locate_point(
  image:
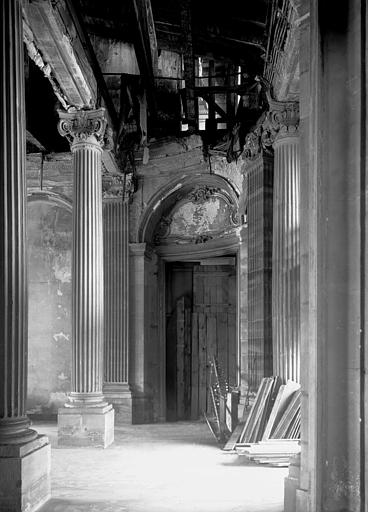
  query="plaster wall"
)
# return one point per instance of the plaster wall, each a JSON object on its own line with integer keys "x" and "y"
{"x": 170, "y": 160}
{"x": 49, "y": 240}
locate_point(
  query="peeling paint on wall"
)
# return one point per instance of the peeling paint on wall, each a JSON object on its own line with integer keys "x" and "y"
{"x": 49, "y": 239}
{"x": 197, "y": 218}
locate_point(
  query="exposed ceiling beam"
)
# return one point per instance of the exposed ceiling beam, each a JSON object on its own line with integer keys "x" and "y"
{"x": 32, "y": 140}
{"x": 143, "y": 49}
{"x": 74, "y": 8}
{"x": 209, "y": 33}
{"x": 189, "y": 63}
{"x": 219, "y": 89}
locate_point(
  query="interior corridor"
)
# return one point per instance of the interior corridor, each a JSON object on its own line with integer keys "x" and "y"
{"x": 171, "y": 467}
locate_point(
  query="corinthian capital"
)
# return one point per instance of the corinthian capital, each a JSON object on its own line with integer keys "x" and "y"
{"x": 83, "y": 126}
{"x": 258, "y": 142}
{"x": 283, "y": 118}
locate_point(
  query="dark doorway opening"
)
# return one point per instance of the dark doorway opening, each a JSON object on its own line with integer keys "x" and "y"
{"x": 200, "y": 325}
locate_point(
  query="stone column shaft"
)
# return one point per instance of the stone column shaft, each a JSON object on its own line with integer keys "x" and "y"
{"x": 286, "y": 259}
{"x": 13, "y": 268}
{"x": 259, "y": 218}
{"x": 87, "y": 275}
{"x": 88, "y": 414}
{"x": 21, "y": 449}
{"x": 281, "y": 130}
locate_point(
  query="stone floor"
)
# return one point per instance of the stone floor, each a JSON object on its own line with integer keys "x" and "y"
{"x": 172, "y": 467}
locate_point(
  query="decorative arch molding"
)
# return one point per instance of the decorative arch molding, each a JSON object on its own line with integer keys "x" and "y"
{"x": 192, "y": 210}
{"x": 50, "y": 197}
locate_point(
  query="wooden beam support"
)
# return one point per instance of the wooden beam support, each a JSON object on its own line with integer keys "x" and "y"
{"x": 189, "y": 63}
{"x": 75, "y": 12}
{"x": 143, "y": 50}
{"x": 214, "y": 107}
{"x": 218, "y": 89}
{"x": 231, "y": 80}
{"x": 210, "y": 34}
{"x": 210, "y": 100}
{"x": 32, "y": 140}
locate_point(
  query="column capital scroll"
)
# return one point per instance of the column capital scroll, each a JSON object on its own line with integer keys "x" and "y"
{"x": 84, "y": 126}
{"x": 283, "y": 119}
{"x": 258, "y": 142}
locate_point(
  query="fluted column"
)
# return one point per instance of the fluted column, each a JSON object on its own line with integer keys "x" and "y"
{"x": 85, "y": 130}
{"x": 14, "y": 424}
{"x": 284, "y": 121}
{"x": 259, "y": 168}
{"x": 16, "y": 438}
{"x": 116, "y": 267}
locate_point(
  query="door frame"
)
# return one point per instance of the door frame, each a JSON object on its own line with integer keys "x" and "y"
{"x": 229, "y": 246}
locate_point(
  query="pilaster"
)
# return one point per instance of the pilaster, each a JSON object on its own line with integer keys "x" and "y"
{"x": 283, "y": 125}
{"x": 142, "y": 401}
{"x": 86, "y": 420}
{"x": 116, "y": 267}
{"x": 258, "y": 156}
{"x": 24, "y": 455}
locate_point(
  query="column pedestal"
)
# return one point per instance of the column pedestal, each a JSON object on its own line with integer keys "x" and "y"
{"x": 120, "y": 396}
{"x": 25, "y": 475}
{"x": 292, "y": 484}
{"x": 80, "y": 427}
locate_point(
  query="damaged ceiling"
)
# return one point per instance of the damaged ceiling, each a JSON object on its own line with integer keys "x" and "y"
{"x": 161, "y": 68}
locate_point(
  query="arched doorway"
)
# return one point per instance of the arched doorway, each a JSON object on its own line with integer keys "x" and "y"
{"x": 192, "y": 228}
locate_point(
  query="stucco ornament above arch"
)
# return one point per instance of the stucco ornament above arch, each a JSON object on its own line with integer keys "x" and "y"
{"x": 192, "y": 210}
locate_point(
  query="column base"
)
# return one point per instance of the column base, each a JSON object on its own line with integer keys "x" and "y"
{"x": 86, "y": 426}
{"x": 291, "y": 485}
{"x": 25, "y": 475}
{"x": 119, "y": 395}
{"x": 142, "y": 409}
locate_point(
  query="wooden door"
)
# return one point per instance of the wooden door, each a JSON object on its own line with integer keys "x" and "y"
{"x": 213, "y": 330}
{"x": 178, "y": 353}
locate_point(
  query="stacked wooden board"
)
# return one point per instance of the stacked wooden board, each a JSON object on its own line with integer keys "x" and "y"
{"x": 274, "y": 452}
{"x": 272, "y": 429}
{"x": 261, "y": 409}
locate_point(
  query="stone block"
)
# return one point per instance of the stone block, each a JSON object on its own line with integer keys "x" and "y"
{"x": 120, "y": 396}
{"x": 302, "y": 501}
{"x": 25, "y": 475}
{"x": 290, "y": 488}
{"x": 92, "y": 426}
{"x": 142, "y": 410}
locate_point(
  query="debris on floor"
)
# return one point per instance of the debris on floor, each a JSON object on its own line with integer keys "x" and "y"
{"x": 271, "y": 432}
{"x": 222, "y": 410}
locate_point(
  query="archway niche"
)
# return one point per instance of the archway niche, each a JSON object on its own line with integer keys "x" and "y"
{"x": 49, "y": 241}
{"x": 189, "y": 241}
